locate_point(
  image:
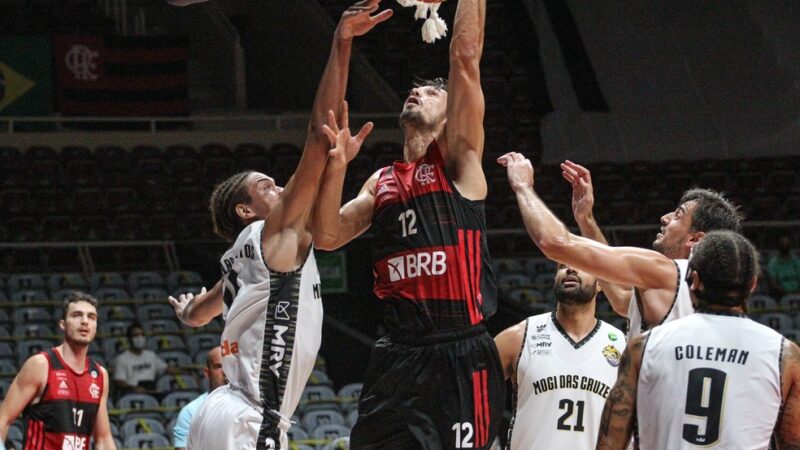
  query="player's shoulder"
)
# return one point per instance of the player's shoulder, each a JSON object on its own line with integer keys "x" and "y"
{"x": 38, "y": 361}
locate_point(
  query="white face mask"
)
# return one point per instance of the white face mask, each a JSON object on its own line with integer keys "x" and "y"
{"x": 138, "y": 342}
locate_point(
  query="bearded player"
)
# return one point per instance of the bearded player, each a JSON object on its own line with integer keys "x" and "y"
{"x": 562, "y": 366}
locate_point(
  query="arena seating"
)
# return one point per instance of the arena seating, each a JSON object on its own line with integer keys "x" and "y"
{"x": 27, "y": 325}
{"x": 153, "y": 196}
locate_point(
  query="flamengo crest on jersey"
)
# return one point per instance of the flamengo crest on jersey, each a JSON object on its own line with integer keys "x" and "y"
{"x": 430, "y": 257}
{"x": 681, "y": 306}
{"x": 561, "y": 386}
{"x": 709, "y": 381}
{"x": 273, "y": 324}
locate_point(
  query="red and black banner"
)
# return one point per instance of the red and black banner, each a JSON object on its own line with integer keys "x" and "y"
{"x": 121, "y": 75}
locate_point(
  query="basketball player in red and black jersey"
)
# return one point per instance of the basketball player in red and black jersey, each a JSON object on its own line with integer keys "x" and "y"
{"x": 61, "y": 392}
{"x": 435, "y": 381}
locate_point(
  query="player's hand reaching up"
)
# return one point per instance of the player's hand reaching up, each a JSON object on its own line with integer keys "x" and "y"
{"x": 344, "y": 146}
{"x": 181, "y": 304}
{"x": 358, "y": 19}
{"x": 582, "y": 190}
{"x": 519, "y": 169}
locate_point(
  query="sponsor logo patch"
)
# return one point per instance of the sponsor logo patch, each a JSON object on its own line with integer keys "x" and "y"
{"x": 612, "y": 355}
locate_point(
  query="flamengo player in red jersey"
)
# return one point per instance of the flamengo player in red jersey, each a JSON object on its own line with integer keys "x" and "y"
{"x": 61, "y": 392}
{"x": 435, "y": 381}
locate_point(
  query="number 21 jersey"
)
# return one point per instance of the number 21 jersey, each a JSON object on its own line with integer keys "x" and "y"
{"x": 709, "y": 381}
{"x": 562, "y": 385}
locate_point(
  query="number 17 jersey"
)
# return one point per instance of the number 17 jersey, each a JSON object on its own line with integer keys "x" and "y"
{"x": 562, "y": 385}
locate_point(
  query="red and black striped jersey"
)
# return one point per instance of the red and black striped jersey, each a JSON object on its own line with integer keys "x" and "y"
{"x": 430, "y": 258}
{"x": 65, "y": 416}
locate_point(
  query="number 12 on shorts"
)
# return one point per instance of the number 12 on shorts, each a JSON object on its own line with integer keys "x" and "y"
{"x": 463, "y": 434}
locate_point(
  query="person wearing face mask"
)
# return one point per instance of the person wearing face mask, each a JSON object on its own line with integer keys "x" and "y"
{"x": 137, "y": 369}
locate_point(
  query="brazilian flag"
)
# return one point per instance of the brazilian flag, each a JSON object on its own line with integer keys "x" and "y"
{"x": 26, "y": 76}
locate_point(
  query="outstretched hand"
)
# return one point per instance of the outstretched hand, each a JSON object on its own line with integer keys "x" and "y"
{"x": 519, "y": 169}
{"x": 181, "y": 303}
{"x": 357, "y": 19}
{"x": 344, "y": 146}
{"x": 582, "y": 190}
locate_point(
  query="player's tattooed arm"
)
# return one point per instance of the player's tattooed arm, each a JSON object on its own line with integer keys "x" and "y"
{"x": 619, "y": 412}
{"x": 789, "y": 419}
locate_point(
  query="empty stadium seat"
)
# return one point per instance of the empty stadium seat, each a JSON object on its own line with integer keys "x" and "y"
{"x": 22, "y": 281}
{"x": 111, "y": 293}
{"x": 340, "y": 443}
{"x": 317, "y": 397}
{"x": 115, "y": 312}
{"x": 145, "y": 279}
{"x": 176, "y": 358}
{"x": 8, "y": 366}
{"x": 107, "y": 279}
{"x": 165, "y": 342}
{"x": 351, "y": 418}
{"x": 30, "y": 347}
{"x": 330, "y": 432}
{"x": 170, "y": 383}
{"x": 31, "y": 315}
{"x": 137, "y": 403}
{"x": 762, "y": 302}
{"x": 183, "y": 278}
{"x": 29, "y": 295}
{"x": 791, "y": 301}
{"x": 348, "y": 396}
{"x": 147, "y": 440}
{"x": 141, "y": 425}
{"x": 155, "y": 310}
{"x": 776, "y": 321}
{"x": 33, "y": 331}
{"x": 179, "y": 399}
{"x": 150, "y": 294}
{"x": 319, "y": 377}
{"x": 114, "y": 328}
{"x": 71, "y": 280}
{"x": 201, "y": 343}
{"x": 315, "y": 418}
{"x": 297, "y": 432}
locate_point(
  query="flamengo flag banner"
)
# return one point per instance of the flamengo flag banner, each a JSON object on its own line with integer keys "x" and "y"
{"x": 121, "y": 75}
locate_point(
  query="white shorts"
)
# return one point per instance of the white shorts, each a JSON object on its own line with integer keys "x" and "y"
{"x": 227, "y": 420}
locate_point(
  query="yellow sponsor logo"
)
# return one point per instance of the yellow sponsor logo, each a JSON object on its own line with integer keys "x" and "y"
{"x": 13, "y": 85}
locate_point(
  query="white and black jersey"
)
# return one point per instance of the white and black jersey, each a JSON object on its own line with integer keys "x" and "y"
{"x": 561, "y": 385}
{"x": 273, "y": 327}
{"x": 681, "y": 305}
{"x": 709, "y": 381}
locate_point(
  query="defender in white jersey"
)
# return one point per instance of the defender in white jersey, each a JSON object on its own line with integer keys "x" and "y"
{"x": 562, "y": 365}
{"x": 269, "y": 292}
{"x": 714, "y": 379}
{"x": 643, "y": 285}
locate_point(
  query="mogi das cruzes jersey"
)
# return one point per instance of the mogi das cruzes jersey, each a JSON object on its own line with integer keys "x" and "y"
{"x": 562, "y": 385}
{"x": 273, "y": 324}
{"x": 709, "y": 381}
{"x": 681, "y": 305}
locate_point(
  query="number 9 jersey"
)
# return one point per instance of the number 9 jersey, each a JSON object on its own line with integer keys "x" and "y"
{"x": 561, "y": 385}
{"x": 709, "y": 381}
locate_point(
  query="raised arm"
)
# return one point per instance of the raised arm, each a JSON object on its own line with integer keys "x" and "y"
{"x": 509, "y": 344}
{"x": 333, "y": 226}
{"x": 103, "y": 438}
{"x": 198, "y": 310}
{"x": 27, "y": 385}
{"x": 789, "y": 419}
{"x": 619, "y": 296}
{"x": 616, "y": 423}
{"x": 465, "y": 103}
{"x": 298, "y": 196}
{"x": 638, "y": 267}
